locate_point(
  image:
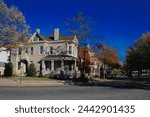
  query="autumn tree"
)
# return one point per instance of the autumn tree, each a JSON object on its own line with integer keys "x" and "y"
{"x": 13, "y": 27}
{"x": 108, "y": 56}
{"x": 137, "y": 57}
{"x": 134, "y": 61}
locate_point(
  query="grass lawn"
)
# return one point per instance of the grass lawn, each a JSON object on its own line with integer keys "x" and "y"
{"x": 34, "y": 79}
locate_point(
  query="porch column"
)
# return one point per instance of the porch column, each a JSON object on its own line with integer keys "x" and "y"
{"x": 99, "y": 70}
{"x": 62, "y": 65}
{"x": 75, "y": 68}
{"x": 43, "y": 66}
{"x": 75, "y": 65}
{"x": 52, "y": 65}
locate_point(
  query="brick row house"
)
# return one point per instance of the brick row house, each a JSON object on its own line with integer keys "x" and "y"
{"x": 93, "y": 65}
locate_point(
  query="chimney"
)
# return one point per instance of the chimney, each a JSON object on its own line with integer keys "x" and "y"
{"x": 56, "y": 34}
{"x": 38, "y": 30}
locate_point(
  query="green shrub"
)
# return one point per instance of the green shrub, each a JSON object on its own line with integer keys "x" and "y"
{"x": 31, "y": 70}
{"x": 8, "y": 69}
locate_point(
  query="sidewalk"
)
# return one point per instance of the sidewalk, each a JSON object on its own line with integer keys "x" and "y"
{"x": 12, "y": 82}
{"x": 95, "y": 82}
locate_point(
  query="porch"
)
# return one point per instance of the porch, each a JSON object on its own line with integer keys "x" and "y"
{"x": 59, "y": 65}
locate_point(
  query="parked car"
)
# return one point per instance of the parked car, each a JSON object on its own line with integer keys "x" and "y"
{"x": 121, "y": 75}
{"x": 134, "y": 73}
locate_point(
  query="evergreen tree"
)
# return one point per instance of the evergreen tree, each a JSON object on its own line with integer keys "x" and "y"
{"x": 8, "y": 69}
{"x": 31, "y": 70}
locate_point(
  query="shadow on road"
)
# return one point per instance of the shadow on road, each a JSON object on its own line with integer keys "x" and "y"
{"x": 113, "y": 83}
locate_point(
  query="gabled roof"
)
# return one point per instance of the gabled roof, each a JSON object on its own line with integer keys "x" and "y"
{"x": 51, "y": 37}
{"x": 61, "y": 37}
{"x": 40, "y": 36}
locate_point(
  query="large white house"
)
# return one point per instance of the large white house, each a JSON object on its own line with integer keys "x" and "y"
{"x": 52, "y": 55}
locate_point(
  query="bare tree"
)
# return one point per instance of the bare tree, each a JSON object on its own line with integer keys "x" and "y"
{"x": 83, "y": 27}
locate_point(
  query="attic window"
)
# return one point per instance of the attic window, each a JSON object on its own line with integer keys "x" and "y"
{"x": 36, "y": 39}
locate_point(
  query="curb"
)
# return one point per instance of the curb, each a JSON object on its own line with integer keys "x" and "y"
{"x": 25, "y": 85}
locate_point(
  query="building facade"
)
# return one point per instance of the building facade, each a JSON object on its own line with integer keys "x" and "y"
{"x": 4, "y": 58}
{"x": 93, "y": 65}
{"x": 52, "y": 55}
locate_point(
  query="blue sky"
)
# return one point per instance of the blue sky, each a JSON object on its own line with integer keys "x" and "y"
{"x": 119, "y": 21}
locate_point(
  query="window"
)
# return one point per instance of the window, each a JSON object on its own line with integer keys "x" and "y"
{"x": 19, "y": 51}
{"x": 51, "y": 50}
{"x": 19, "y": 65}
{"x": 41, "y": 50}
{"x": 31, "y": 50}
{"x": 36, "y": 39}
{"x": 70, "y": 49}
{"x": 26, "y": 50}
{"x": 73, "y": 50}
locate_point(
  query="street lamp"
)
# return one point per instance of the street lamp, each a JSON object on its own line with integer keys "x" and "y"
{"x": 21, "y": 47}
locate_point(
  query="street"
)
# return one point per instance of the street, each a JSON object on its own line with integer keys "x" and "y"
{"x": 69, "y": 92}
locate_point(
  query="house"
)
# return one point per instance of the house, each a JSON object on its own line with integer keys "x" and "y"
{"x": 4, "y": 58}
{"x": 93, "y": 65}
{"x": 2, "y": 68}
{"x": 52, "y": 55}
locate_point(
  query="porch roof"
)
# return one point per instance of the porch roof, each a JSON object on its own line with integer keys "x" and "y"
{"x": 59, "y": 57}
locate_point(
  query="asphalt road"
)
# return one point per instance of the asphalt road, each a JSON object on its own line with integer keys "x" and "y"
{"x": 72, "y": 92}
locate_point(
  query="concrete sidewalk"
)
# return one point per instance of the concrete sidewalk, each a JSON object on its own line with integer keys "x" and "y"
{"x": 95, "y": 82}
{"x": 12, "y": 82}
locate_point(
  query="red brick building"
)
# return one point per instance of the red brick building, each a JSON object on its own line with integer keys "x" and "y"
{"x": 91, "y": 65}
